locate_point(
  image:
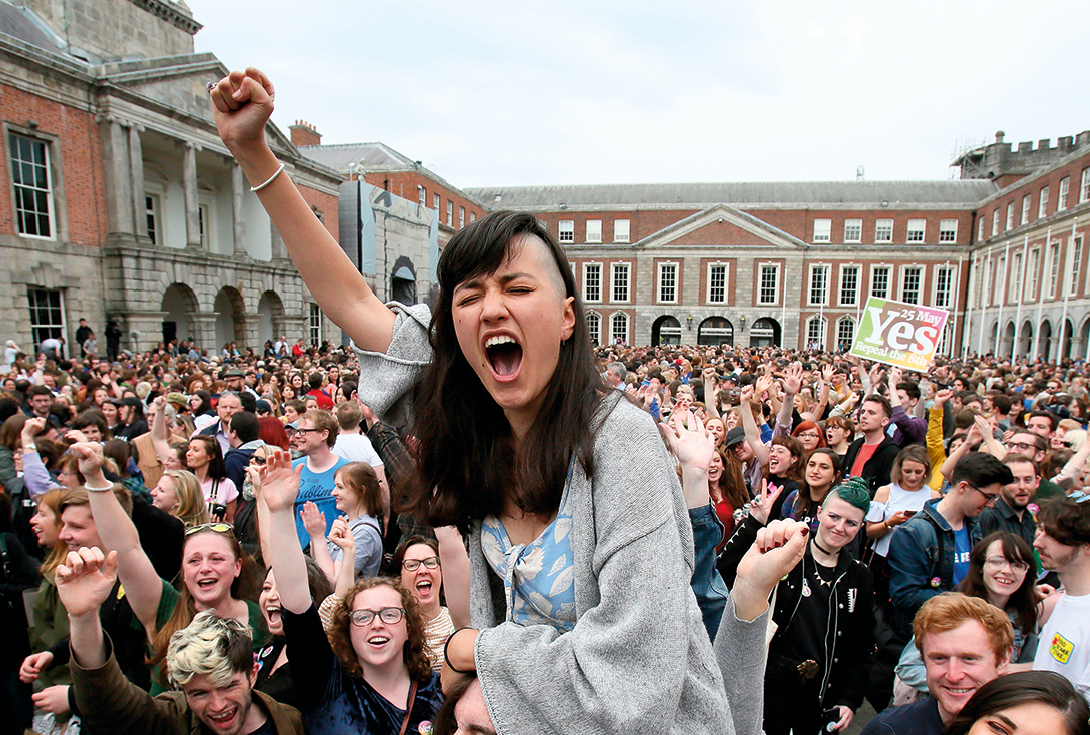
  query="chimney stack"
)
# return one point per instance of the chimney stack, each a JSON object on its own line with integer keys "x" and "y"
{"x": 303, "y": 133}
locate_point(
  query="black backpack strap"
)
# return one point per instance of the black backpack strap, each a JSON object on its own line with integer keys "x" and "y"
{"x": 940, "y": 535}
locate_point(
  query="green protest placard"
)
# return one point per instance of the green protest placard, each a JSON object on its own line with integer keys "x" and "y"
{"x": 900, "y": 334}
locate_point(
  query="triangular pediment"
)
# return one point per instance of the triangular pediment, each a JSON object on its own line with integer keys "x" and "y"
{"x": 722, "y": 225}
{"x": 177, "y": 84}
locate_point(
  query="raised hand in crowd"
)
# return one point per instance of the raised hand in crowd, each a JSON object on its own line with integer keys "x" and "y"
{"x": 762, "y": 504}
{"x": 84, "y": 582}
{"x": 694, "y": 448}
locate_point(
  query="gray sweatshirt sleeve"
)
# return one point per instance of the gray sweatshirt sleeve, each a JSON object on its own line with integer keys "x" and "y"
{"x": 387, "y": 379}
{"x": 741, "y": 651}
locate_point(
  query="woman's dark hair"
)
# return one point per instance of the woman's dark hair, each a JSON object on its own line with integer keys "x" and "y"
{"x": 445, "y": 722}
{"x": 795, "y": 471}
{"x": 806, "y": 506}
{"x": 466, "y": 453}
{"x": 732, "y": 483}
{"x": 403, "y": 547}
{"x": 216, "y": 468}
{"x": 120, "y": 451}
{"x": 1024, "y": 599}
{"x": 1025, "y": 687}
{"x": 205, "y": 409}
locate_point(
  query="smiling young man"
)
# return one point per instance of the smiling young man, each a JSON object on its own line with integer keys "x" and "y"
{"x": 965, "y": 643}
{"x": 1010, "y": 512}
{"x": 211, "y": 662}
{"x": 1063, "y": 542}
{"x": 314, "y": 438}
{"x": 871, "y": 455}
{"x": 929, "y": 553}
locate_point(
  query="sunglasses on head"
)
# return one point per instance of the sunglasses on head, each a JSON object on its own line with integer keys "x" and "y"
{"x": 217, "y": 526}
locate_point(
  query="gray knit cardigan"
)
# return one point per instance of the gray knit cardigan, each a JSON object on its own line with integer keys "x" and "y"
{"x": 639, "y": 659}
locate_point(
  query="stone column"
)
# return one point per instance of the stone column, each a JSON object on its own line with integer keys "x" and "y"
{"x": 136, "y": 164}
{"x": 238, "y": 191}
{"x": 279, "y": 251}
{"x": 146, "y": 326}
{"x": 118, "y": 180}
{"x": 189, "y": 186}
{"x": 203, "y": 331}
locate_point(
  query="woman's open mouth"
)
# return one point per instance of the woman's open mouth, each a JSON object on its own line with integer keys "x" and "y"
{"x": 504, "y": 356}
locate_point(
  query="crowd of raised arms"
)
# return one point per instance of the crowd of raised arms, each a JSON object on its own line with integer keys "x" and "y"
{"x": 473, "y": 520}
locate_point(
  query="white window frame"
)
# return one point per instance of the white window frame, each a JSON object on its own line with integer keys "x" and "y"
{"x": 18, "y": 186}
{"x": 1054, "y": 268}
{"x": 948, "y": 230}
{"x": 594, "y": 230}
{"x": 905, "y": 271}
{"x": 660, "y": 283}
{"x": 853, "y": 230}
{"x": 761, "y": 268}
{"x": 888, "y": 270}
{"x": 41, "y": 329}
{"x": 818, "y": 285}
{"x": 422, "y": 195}
{"x": 823, "y": 230}
{"x": 1042, "y": 203}
{"x": 942, "y": 297}
{"x": 917, "y": 231}
{"x": 153, "y": 217}
{"x": 1076, "y": 265}
{"x": 436, "y": 203}
{"x": 980, "y": 230}
{"x": 589, "y": 296}
{"x": 314, "y": 325}
{"x": 565, "y": 230}
{"x": 594, "y": 327}
{"x": 1084, "y": 186}
{"x": 614, "y": 270}
{"x": 461, "y": 216}
{"x": 613, "y": 331}
{"x": 853, "y": 290}
{"x": 1026, "y": 204}
{"x": 1010, "y": 216}
{"x": 995, "y": 221}
{"x": 622, "y": 230}
{"x": 450, "y": 213}
{"x": 823, "y": 326}
{"x": 1061, "y": 195}
{"x": 205, "y": 225}
{"x": 1016, "y": 277}
{"x": 883, "y": 230}
{"x": 999, "y": 283}
{"x": 840, "y": 333}
{"x": 712, "y": 268}
{"x": 1034, "y": 272}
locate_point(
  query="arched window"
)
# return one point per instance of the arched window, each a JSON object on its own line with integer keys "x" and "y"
{"x": 815, "y": 333}
{"x": 845, "y": 333}
{"x": 594, "y": 327}
{"x": 618, "y": 328}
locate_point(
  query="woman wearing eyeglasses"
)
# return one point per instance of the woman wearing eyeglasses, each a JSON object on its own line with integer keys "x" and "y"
{"x": 1001, "y": 572}
{"x": 371, "y": 673}
{"x": 422, "y": 574}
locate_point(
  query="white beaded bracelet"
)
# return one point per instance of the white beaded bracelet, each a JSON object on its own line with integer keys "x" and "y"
{"x": 272, "y": 178}
{"x": 90, "y": 489}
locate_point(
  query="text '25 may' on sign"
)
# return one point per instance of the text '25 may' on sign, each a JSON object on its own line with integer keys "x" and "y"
{"x": 900, "y": 334}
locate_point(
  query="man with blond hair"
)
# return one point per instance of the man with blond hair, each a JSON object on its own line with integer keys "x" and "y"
{"x": 210, "y": 661}
{"x": 965, "y": 643}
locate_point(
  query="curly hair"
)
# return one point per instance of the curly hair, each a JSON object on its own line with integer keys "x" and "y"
{"x": 340, "y": 638}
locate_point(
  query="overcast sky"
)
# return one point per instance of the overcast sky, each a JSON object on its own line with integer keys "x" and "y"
{"x": 493, "y": 93}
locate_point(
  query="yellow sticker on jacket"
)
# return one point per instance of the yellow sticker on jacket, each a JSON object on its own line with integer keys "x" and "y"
{"x": 1061, "y": 648}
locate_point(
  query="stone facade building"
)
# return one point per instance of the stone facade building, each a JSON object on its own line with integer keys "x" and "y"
{"x": 120, "y": 201}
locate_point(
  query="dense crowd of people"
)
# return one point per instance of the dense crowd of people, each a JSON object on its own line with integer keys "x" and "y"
{"x": 473, "y": 520}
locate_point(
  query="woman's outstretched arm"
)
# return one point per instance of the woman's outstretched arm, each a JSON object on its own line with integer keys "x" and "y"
{"x": 243, "y": 102}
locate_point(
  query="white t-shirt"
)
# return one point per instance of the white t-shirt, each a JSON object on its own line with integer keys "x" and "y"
{"x": 1064, "y": 644}
{"x": 356, "y": 448}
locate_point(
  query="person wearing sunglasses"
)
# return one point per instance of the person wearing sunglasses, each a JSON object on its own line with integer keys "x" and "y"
{"x": 371, "y": 673}
{"x": 212, "y": 568}
{"x": 930, "y": 553}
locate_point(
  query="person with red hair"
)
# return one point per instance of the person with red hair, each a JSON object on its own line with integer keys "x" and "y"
{"x": 271, "y": 431}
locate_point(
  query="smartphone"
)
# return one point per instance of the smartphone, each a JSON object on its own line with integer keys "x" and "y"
{"x": 909, "y": 513}
{"x": 829, "y": 718}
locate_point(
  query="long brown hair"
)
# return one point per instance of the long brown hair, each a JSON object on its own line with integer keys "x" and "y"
{"x": 467, "y": 463}
{"x": 1024, "y": 599}
{"x": 732, "y": 483}
{"x": 52, "y": 500}
{"x": 340, "y": 637}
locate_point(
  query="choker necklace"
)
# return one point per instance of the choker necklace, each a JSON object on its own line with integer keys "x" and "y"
{"x": 823, "y": 551}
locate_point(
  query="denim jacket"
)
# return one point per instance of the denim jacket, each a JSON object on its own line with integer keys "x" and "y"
{"x": 916, "y": 572}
